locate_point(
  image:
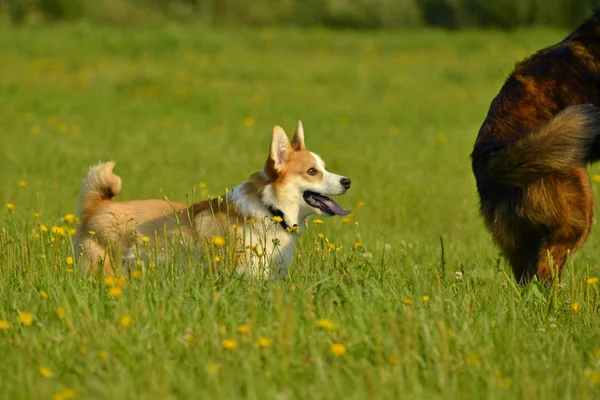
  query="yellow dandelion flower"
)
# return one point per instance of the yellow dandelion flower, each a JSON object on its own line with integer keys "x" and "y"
{"x": 43, "y": 228}
{"x": 92, "y": 233}
{"x": 326, "y": 324}
{"x": 217, "y": 259}
{"x": 265, "y": 342}
{"x": 212, "y": 369}
{"x": 575, "y": 307}
{"x": 64, "y": 394}
{"x": 43, "y": 294}
{"x": 46, "y": 372}
{"x": 69, "y": 218}
{"x": 37, "y": 215}
{"x": 58, "y": 230}
{"x": 362, "y": 204}
{"x": 10, "y": 207}
{"x": 593, "y": 376}
{"x": 592, "y": 281}
{"x": 4, "y": 324}
{"x": 125, "y": 321}
{"x": 277, "y": 219}
{"x": 331, "y": 246}
{"x": 321, "y": 236}
{"x": 425, "y": 299}
{"x": 318, "y": 221}
{"x": 109, "y": 281}
{"x": 219, "y": 241}
{"x": 135, "y": 274}
{"x": 72, "y": 231}
{"x": 34, "y": 129}
{"x": 393, "y": 359}
{"x": 597, "y": 352}
{"x": 596, "y": 178}
{"x": 234, "y": 226}
{"x": 244, "y": 329}
{"x": 356, "y": 223}
{"x": 69, "y": 260}
{"x": 474, "y": 359}
{"x": 22, "y": 183}
{"x": 145, "y": 239}
{"x": 26, "y": 318}
{"x": 249, "y": 121}
{"x": 202, "y": 185}
{"x": 347, "y": 219}
{"x": 442, "y": 138}
{"x": 103, "y": 354}
{"x": 338, "y": 349}
{"x": 82, "y": 351}
{"x": 121, "y": 281}
{"x": 408, "y": 302}
{"x": 229, "y": 344}
{"x": 60, "y": 312}
{"x": 357, "y": 245}
{"x": 115, "y": 292}
{"x": 151, "y": 265}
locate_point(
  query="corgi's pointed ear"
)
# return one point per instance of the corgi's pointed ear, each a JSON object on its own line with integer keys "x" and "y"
{"x": 280, "y": 148}
{"x": 298, "y": 140}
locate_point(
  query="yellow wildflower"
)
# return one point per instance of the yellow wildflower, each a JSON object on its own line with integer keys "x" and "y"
{"x": 69, "y": 218}
{"x": 34, "y": 129}
{"x": 393, "y": 359}
{"x": 4, "y": 324}
{"x": 64, "y": 394}
{"x": 244, "y": 329}
{"x": 69, "y": 260}
{"x": 357, "y": 245}
{"x": 46, "y": 372}
{"x": 22, "y": 183}
{"x": 121, "y": 281}
{"x": 212, "y": 369}
{"x": 43, "y": 294}
{"x": 362, "y": 203}
{"x": 442, "y": 138}
{"x": 103, "y": 354}
{"x": 318, "y": 221}
{"x": 10, "y": 207}
{"x": 277, "y": 218}
{"x": 92, "y": 233}
{"x": 219, "y": 241}
{"x": 109, "y": 281}
{"x": 576, "y": 307}
{"x": 60, "y": 312}
{"x": 331, "y": 246}
{"x": 37, "y": 215}
{"x": 72, "y": 231}
{"x": 338, "y": 349}
{"x": 321, "y": 236}
{"x": 125, "y": 321}
{"x": 135, "y": 274}
{"x": 82, "y": 351}
{"x": 229, "y": 344}
{"x": 145, "y": 239}
{"x": 596, "y": 178}
{"x": 43, "y": 228}
{"x": 26, "y": 318}
{"x": 115, "y": 292}
{"x": 425, "y": 299}
{"x": 249, "y": 121}
{"x": 408, "y": 302}
{"x": 592, "y": 281}
{"x": 265, "y": 342}
{"x": 326, "y": 324}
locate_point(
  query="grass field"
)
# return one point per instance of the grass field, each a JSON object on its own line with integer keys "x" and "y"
{"x": 188, "y": 112}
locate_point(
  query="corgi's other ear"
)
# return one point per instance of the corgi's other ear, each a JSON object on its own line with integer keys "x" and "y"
{"x": 298, "y": 140}
{"x": 280, "y": 148}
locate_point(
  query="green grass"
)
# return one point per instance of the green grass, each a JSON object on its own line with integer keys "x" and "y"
{"x": 177, "y": 107}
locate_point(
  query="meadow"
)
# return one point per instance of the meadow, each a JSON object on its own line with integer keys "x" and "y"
{"x": 372, "y": 308}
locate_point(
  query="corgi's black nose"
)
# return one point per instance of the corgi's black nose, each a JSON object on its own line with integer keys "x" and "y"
{"x": 345, "y": 183}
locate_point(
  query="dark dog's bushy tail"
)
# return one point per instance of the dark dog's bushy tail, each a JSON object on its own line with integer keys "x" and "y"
{"x": 567, "y": 139}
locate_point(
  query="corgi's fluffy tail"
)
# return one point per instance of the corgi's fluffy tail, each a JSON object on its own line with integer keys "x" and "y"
{"x": 99, "y": 184}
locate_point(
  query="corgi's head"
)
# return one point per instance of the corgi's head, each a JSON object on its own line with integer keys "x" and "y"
{"x": 296, "y": 182}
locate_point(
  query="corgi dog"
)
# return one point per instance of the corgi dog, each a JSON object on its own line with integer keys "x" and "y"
{"x": 260, "y": 217}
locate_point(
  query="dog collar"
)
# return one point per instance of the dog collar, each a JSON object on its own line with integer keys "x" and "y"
{"x": 278, "y": 213}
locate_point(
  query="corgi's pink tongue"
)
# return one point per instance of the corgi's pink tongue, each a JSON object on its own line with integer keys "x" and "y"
{"x": 324, "y": 204}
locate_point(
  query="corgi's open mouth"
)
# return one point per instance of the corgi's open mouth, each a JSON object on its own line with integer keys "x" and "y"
{"x": 324, "y": 203}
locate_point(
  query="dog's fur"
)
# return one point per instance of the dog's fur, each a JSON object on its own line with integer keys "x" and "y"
{"x": 292, "y": 177}
{"x": 530, "y": 156}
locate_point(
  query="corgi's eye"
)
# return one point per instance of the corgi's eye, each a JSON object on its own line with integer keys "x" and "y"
{"x": 311, "y": 171}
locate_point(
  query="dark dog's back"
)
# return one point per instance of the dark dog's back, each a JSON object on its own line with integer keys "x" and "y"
{"x": 530, "y": 155}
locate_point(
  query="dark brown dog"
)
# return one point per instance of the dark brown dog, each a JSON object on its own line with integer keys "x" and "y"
{"x": 530, "y": 155}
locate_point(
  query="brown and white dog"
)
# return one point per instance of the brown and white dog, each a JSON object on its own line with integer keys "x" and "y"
{"x": 293, "y": 185}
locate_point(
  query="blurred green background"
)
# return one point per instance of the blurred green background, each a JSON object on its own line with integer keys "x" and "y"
{"x": 355, "y": 14}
